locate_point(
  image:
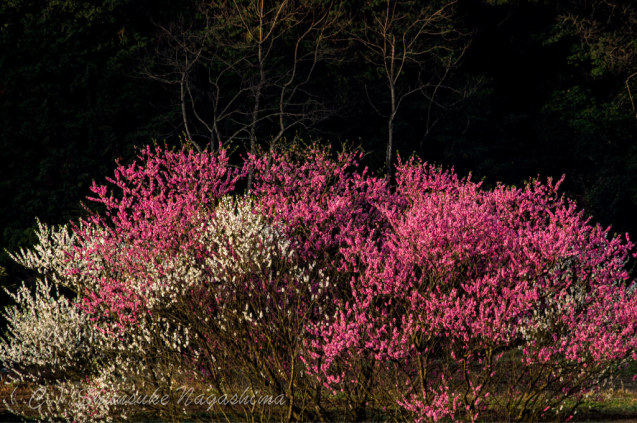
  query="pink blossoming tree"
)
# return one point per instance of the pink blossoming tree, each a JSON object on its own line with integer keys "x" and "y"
{"x": 496, "y": 304}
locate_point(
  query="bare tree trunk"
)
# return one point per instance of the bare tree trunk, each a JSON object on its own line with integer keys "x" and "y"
{"x": 408, "y": 36}
{"x": 390, "y": 125}
{"x": 183, "y": 112}
{"x": 390, "y": 146}
{"x": 253, "y": 126}
{"x": 257, "y": 95}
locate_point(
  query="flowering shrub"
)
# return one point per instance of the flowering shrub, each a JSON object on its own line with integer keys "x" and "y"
{"x": 48, "y": 331}
{"x": 494, "y": 303}
{"x": 128, "y": 274}
{"x": 433, "y": 299}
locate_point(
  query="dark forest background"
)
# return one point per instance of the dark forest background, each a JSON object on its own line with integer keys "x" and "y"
{"x": 504, "y": 89}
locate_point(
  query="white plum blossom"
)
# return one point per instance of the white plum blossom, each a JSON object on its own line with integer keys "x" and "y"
{"x": 51, "y": 333}
{"x": 47, "y": 329}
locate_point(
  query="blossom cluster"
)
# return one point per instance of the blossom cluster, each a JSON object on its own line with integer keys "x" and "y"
{"x": 433, "y": 299}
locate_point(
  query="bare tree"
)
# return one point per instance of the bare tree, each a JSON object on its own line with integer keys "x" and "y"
{"x": 248, "y": 68}
{"x": 178, "y": 49}
{"x": 402, "y": 37}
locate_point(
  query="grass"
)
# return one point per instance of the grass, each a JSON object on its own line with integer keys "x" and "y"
{"x": 614, "y": 404}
